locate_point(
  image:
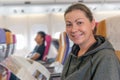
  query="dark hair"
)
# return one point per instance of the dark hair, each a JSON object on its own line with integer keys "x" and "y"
{"x": 82, "y": 7}
{"x": 6, "y": 30}
{"x": 43, "y": 34}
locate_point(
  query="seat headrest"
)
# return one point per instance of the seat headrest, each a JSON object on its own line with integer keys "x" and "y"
{"x": 14, "y": 38}
{"x": 9, "y": 39}
{"x": 2, "y": 36}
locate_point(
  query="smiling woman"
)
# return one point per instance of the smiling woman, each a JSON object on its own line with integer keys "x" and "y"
{"x": 92, "y": 57}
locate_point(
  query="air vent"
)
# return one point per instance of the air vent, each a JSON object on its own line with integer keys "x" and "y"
{"x": 80, "y": 0}
{"x": 27, "y": 2}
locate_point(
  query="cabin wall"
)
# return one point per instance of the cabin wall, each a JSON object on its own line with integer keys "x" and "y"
{"x": 26, "y": 26}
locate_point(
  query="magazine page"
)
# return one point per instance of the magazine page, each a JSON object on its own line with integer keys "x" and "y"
{"x": 39, "y": 68}
{"x": 18, "y": 69}
{"x": 26, "y": 69}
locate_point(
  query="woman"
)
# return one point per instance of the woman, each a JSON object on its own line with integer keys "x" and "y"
{"x": 92, "y": 57}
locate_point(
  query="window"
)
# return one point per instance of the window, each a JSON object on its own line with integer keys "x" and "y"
{"x": 20, "y": 41}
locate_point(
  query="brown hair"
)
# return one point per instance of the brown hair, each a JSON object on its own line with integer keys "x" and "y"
{"x": 81, "y": 7}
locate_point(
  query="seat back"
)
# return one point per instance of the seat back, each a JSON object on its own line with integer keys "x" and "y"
{"x": 47, "y": 46}
{"x": 118, "y": 53}
{"x": 66, "y": 48}
{"x": 14, "y": 43}
{"x": 101, "y": 28}
{"x": 4, "y": 72}
{"x": 9, "y": 41}
{"x": 109, "y": 28}
{"x": 63, "y": 48}
{"x": 2, "y": 36}
{"x": 2, "y": 44}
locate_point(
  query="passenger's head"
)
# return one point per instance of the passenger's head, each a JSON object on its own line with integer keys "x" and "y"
{"x": 40, "y": 37}
{"x": 80, "y": 23}
{"x": 6, "y": 30}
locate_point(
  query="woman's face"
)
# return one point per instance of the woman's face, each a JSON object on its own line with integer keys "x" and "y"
{"x": 78, "y": 27}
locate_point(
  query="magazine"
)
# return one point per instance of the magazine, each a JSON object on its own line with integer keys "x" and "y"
{"x": 26, "y": 69}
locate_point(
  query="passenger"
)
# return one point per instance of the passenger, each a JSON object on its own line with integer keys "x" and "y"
{"x": 37, "y": 53}
{"x": 92, "y": 57}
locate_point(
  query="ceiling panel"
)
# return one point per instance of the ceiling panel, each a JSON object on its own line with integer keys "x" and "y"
{"x": 67, "y": 1}
{"x": 51, "y": 1}
{"x": 93, "y": 0}
{"x": 24, "y": 1}
{"x": 42, "y": 1}
{"x": 112, "y": 0}
{"x": 12, "y": 1}
{"x": 101, "y": 0}
{"x": 27, "y": 0}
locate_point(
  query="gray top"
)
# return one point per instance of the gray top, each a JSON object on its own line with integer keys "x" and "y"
{"x": 98, "y": 63}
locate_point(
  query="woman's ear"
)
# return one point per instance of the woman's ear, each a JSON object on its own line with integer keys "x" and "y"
{"x": 93, "y": 23}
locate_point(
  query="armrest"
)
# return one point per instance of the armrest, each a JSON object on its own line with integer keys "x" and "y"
{"x": 55, "y": 76}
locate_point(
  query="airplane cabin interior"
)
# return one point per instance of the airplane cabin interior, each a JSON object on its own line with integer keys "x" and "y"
{"x": 20, "y": 20}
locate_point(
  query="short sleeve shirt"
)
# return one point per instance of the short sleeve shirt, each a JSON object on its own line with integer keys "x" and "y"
{"x": 40, "y": 50}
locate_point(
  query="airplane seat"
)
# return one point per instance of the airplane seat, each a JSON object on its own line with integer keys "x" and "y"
{"x": 63, "y": 47}
{"x": 109, "y": 28}
{"x": 12, "y": 76}
{"x": 101, "y": 28}
{"x": 14, "y": 43}
{"x": 8, "y": 51}
{"x": 118, "y": 53}
{"x": 51, "y": 54}
{"x": 4, "y": 72}
{"x": 47, "y": 47}
{"x": 9, "y": 41}
{"x": 63, "y": 52}
{"x": 66, "y": 48}
{"x": 3, "y": 45}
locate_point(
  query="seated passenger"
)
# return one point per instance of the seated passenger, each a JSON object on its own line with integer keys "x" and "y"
{"x": 92, "y": 56}
{"x": 39, "y": 49}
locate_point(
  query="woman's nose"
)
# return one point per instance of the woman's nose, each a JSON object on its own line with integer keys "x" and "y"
{"x": 74, "y": 28}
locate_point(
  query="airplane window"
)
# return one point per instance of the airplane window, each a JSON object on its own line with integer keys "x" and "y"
{"x": 20, "y": 41}
{"x": 33, "y": 43}
{"x": 56, "y": 35}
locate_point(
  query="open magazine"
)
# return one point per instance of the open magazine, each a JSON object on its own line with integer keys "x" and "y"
{"x": 26, "y": 69}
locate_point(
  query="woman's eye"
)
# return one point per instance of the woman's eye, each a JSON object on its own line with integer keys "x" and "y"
{"x": 79, "y": 23}
{"x": 68, "y": 25}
